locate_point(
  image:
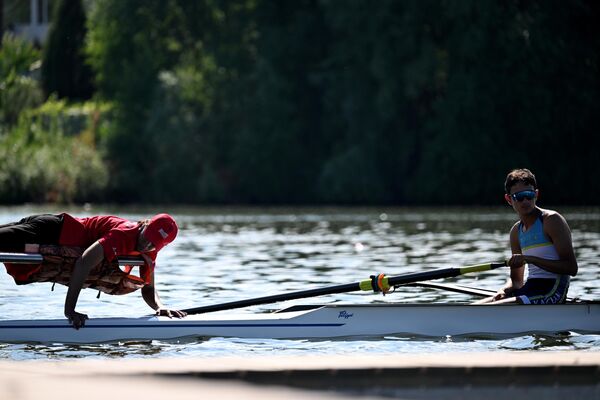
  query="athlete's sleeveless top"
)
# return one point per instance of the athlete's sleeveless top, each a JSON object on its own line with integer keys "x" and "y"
{"x": 534, "y": 242}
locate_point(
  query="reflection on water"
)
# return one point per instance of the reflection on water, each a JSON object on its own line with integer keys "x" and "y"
{"x": 560, "y": 341}
{"x": 223, "y": 255}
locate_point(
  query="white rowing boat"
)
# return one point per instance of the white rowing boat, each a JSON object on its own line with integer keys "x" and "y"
{"x": 327, "y": 321}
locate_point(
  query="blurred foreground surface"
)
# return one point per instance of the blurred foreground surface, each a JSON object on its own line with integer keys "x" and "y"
{"x": 522, "y": 375}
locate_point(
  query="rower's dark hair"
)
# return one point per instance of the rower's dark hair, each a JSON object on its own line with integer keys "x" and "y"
{"x": 522, "y": 175}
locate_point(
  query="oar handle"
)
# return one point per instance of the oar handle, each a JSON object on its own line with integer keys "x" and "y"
{"x": 481, "y": 267}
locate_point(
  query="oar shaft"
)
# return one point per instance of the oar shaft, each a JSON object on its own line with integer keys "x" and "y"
{"x": 441, "y": 273}
{"x": 350, "y": 287}
{"x": 30, "y": 258}
{"x": 480, "y": 292}
{"x": 21, "y": 258}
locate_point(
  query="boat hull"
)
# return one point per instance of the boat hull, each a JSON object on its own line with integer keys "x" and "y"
{"x": 329, "y": 321}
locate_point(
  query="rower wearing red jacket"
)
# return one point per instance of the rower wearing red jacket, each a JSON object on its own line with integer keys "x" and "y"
{"x": 101, "y": 239}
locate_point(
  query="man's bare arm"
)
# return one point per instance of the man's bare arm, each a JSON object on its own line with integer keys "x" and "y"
{"x": 91, "y": 257}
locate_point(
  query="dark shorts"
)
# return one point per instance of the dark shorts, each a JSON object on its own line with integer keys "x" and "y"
{"x": 36, "y": 229}
{"x": 543, "y": 291}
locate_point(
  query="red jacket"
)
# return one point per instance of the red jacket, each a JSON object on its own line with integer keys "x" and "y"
{"x": 117, "y": 236}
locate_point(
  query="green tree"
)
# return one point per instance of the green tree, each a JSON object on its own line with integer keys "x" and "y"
{"x": 401, "y": 102}
{"x": 42, "y": 164}
{"x": 166, "y": 50}
{"x": 19, "y": 90}
{"x": 380, "y": 83}
{"x": 64, "y": 69}
{"x": 519, "y": 84}
{"x": 278, "y": 151}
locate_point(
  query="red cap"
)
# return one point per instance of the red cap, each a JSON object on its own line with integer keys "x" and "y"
{"x": 161, "y": 230}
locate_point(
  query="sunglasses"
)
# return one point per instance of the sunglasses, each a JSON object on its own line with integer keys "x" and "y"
{"x": 524, "y": 194}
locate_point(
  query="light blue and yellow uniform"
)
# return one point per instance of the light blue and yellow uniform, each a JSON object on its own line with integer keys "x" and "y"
{"x": 542, "y": 287}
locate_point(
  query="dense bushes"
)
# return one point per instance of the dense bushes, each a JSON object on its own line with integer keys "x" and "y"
{"x": 40, "y": 163}
{"x": 47, "y": 150}
{"x": 19, "y": 62}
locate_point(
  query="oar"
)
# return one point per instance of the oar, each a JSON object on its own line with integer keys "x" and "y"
{"x": 377, "y": 283}
{"x": 34, "y": 258}
{"x": 454, "y": 288}
{"x": 481, "y": 292}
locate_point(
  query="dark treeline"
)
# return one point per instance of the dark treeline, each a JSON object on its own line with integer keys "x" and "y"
{"x": 346, "y": 102}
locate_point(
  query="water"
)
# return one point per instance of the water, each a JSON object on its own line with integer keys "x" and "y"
{"x": 223, "y": 255}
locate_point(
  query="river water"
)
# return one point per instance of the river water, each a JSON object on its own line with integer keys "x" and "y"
{"x": 227, "y": 254}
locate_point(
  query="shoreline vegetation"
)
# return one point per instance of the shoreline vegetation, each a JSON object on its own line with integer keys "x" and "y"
{"x": 304, "y": 103}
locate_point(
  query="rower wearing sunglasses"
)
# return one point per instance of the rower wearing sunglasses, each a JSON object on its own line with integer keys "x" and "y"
{"x": 540, "y": 242}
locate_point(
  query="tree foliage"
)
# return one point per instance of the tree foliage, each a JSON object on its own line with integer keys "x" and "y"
{"x": 64, "y": 70}
{"x": 19, "y": 91}
{"x": 46, "y": 158}
{"x": 314, "y": 101}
